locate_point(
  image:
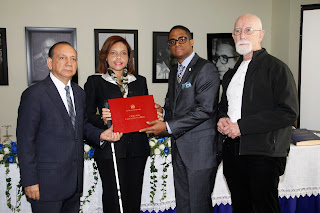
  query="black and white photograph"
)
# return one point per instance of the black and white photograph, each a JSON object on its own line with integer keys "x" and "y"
{"x": 3, "y": 58}
{"x": 39, "y": 40}
{"x": 162, "y": 58}
{"x": 221, "y": 51}
{"x": 101, "y": 35}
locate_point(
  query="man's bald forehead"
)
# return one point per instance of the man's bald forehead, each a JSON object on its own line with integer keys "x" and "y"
{"x": 252, "y": 19}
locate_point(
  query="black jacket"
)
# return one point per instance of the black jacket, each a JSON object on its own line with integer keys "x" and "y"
{"x": 98, "y": 90}
{"x": 269, "y": 106}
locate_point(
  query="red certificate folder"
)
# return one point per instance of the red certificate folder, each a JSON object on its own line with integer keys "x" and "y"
{"x": 131, "y": 114}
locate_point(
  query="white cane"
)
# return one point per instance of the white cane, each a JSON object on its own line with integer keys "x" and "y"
{"x": 109, "y": 124}
{"x": 117, "y": 176}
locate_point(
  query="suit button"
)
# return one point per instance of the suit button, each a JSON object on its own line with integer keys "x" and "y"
{"x": 75, "y": 160}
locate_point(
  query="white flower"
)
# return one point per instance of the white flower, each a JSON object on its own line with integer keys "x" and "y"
{"x": 152, "y": 143}
{"x": 1, "y": 157}
{"x": 162, "y": 146}
{"x": 87, "y": 148}
{"x": 6, "y": 150}
{"x": 169, "y": 143}
{"x": 157, "y": 151}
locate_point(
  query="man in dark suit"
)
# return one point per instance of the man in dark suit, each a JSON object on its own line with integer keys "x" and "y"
{"x": 258, "y": 106}
{"x": 50, "y": 135}
{"x": 191, "y": 116}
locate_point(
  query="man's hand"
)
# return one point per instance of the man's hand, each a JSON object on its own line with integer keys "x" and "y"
{"x": 159, "y": 112}
{"x": 158, "y": 128}
{"x": 232, "y": 130}
{"x": 222, "y": 124}
{"x": 106, "y": 115}
{"x": 109, "y": 135}
{"x": 226, "y": 127}
{"x": 32, "y": 192}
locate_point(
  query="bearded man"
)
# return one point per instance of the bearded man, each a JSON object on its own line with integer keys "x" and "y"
{"x": 259, "y": 104}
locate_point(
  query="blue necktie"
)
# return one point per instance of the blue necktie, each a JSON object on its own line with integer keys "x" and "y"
{"x": 70, "y": 107}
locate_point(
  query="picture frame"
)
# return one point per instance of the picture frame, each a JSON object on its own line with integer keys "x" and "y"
{"x": 221, "y": 51}
{"x": 38, "y": 42}
{"x": 3, "y": 58}
{"x": 101, "y": 35}
{"x": 162, "y": 58}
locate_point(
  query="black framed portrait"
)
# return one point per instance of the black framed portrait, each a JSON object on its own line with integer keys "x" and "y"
{"x": 221, "y": 51}
{"x": 3, "y": 58}
{"x": 38, "y": 42}
{"x": 162, "y": 58}
{"x": 131, "y": 36}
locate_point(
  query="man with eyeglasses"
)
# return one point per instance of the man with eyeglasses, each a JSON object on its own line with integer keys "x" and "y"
{"x": 224, "y": 55}
{"x": 259, "y": 104}
{"x": 190, "y": 118}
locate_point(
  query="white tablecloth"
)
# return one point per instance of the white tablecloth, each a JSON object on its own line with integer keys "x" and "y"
{"x": 302, "y": 177}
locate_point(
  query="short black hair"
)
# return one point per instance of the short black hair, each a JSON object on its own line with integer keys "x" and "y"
{"x": 182, "y": 28}
{"x": 50, "y": 53}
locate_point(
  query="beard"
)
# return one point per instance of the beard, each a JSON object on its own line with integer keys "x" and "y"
{"x": 243, "y": 49}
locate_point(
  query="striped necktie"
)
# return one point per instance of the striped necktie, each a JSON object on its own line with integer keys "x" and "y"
{"x": 180, "y": 71}
{"x": 70, "y": 107}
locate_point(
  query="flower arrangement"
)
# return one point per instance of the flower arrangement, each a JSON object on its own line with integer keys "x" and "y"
{"x": 88, "y": 152}
{"x": 88, "y": 155}
{"x": 8, "y": 155}
{"x": 159, "y": 146}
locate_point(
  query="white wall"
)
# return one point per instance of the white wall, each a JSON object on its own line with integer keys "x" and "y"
{"x": 200, "y": 16}
{"x": 280, "y": 29}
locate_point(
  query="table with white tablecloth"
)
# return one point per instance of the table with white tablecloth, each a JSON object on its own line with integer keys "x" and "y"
{"x": 302, "y": 177}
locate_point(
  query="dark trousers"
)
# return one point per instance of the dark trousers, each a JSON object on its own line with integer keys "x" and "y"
{"x": 252, "y": 179}
{"x": 70, "y": 205}
{"x": 131, "y": 172}
{"x": 193, "y": 188}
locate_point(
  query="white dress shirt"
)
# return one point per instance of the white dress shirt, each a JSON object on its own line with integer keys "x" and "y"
{"x": 235, "y": 90}
{"x": 60, "y": 87}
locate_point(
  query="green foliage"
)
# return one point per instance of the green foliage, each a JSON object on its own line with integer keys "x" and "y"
{"x": 162, "y": 147}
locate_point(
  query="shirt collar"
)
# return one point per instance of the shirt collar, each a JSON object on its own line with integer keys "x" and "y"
{"x": 59, "y": 83}
{"x": 187, "y": 61}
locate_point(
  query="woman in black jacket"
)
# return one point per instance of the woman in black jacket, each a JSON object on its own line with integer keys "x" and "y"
{"x": 117, "y": 80}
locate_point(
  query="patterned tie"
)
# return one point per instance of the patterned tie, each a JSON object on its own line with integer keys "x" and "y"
{"x": 180, "y": 70}
{"x": 70, "y": 107}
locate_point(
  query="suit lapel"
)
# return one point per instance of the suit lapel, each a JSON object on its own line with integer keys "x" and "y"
{"x": 78, "y": 104}
{"x": 56, "y": 99}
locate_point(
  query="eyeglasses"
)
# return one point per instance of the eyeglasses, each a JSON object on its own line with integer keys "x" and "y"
{"x": 180, "y": 40}
{"x": 247, "y": 31}
{"x": 223, "y": 58}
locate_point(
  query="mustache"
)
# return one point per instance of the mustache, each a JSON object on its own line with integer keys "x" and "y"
{"x": 243, "y": 42}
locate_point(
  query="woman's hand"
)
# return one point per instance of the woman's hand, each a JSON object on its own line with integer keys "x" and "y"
{"x": 106, "y": 115}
